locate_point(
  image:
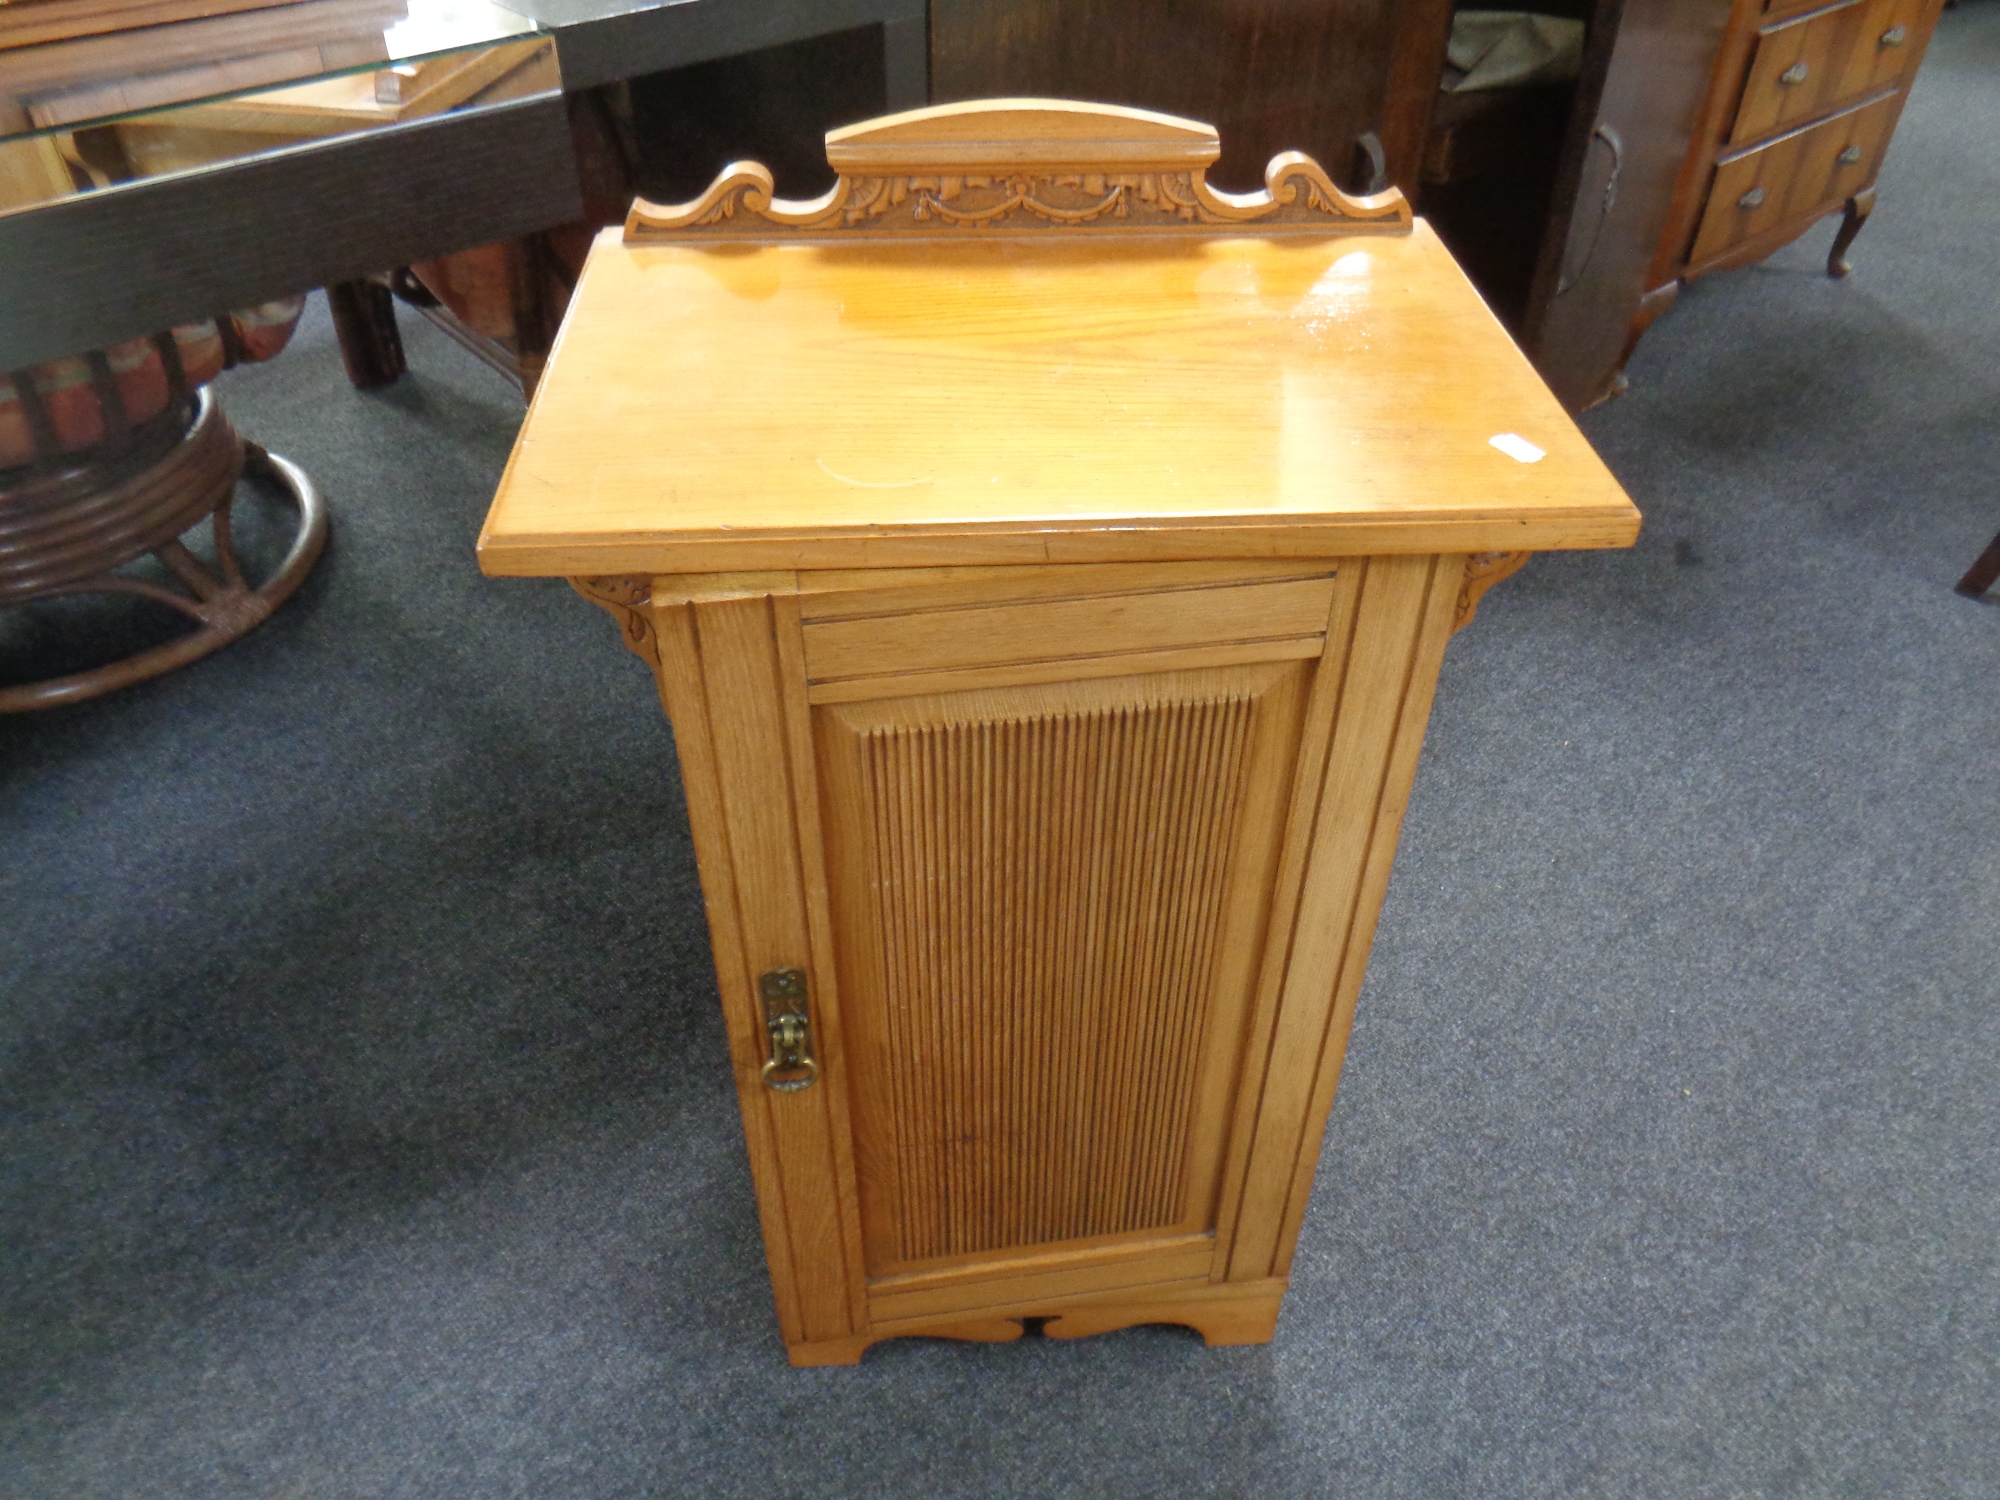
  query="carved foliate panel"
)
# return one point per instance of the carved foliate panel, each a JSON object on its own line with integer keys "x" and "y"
{"x": 986, "y": 168}
{"x": 1482, "y": 571}
{"x": 624, "y": 598}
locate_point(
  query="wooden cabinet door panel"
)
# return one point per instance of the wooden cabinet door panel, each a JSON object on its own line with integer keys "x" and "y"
{"x": 1048, "y": 906}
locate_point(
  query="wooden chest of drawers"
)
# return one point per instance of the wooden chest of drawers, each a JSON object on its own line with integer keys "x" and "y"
{"x": 1799, "y": 113}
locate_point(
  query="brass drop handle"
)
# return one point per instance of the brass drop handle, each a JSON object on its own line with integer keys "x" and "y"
{"x": 784, "y": 996}
{"x": 1895, "y": 36}
{"x": 1796, "y": 73}
{"x": 1849, "y": 157}
{"x": 1752, "y": 199}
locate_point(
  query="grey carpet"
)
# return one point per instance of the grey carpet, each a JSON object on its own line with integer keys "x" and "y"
{"x": 366, "y": 1127}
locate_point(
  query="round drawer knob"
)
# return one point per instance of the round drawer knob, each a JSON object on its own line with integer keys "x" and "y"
{"x": 1752, "y": 199}
{"x": 1850, "y": 157}
{"x": 1895, "y": 36}
{"x": 1796, "y": 73}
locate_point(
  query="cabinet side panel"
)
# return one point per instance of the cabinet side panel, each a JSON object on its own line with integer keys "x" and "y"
{"x": 1434, "y": 629}
{"x": 682, "y": 691}
{"x": 1403, "y": 619}
{"x": 1302, "y": 791}
{"x": 744, "y": 692}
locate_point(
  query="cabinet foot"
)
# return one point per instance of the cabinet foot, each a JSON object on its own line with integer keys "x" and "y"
{"x": 848, "y": 1351}
{"x": 1220, "y": 1320}
{"x": 1859, "y": 207}
{"x": 1229, "y": 1313}
{"x": 1651, "y": 307}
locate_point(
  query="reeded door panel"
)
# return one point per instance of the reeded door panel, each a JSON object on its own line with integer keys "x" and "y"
{"x": 1049, "y": 904}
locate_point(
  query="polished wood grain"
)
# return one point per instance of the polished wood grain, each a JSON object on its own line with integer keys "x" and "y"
{"x": 1045, "y": 917}
{"x": 1077, "y": 822}
{"x": 1144, "y": 1257}
{"x": 981, "y": 863}
{"x": 1063, "y": 1276}
{"x": 849, "y": 593}
{"x": 1034, "y": 397}
{"x": 1037, "y": 1144}
{"x": 1806, "y": 68}
{"x": 720, "y": 676}
{"x": 1859, "y": 207}
{"x": 875, "y": 639}
{"x": 1797, "y": 176}
{"x": 1224, "y": 1315}
{"x": 1710, "y": 138}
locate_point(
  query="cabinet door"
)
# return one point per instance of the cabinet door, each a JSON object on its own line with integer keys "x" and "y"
{"x": 1651, "y": 63}
{"x": 1052, "y": 827}
{"x": 1078, "y": 863}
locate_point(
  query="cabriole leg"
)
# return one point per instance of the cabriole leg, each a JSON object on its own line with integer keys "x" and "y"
{"x": 1859, "y": 207}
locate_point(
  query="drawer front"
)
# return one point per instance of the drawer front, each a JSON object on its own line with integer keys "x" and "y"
{"x": 1803, "y": 68}
{"x": 1809, "y": 170}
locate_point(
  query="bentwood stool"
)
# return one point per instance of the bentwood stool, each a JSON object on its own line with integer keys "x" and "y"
{"x": 112, "y": 457}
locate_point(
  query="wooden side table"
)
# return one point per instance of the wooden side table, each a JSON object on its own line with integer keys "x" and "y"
{"x": 1046, "y": 561}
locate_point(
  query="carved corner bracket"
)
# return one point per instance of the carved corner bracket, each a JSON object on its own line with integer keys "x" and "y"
{"x": 624, "y": 598}
{"x": 1482, "y": 571}
{"x": 1019, "y": 165}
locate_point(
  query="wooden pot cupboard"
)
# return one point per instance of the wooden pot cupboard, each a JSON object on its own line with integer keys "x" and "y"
{"x": 1045, "y": 559}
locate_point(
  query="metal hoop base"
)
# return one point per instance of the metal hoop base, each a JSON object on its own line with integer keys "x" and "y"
{"x": 217, "y": 595}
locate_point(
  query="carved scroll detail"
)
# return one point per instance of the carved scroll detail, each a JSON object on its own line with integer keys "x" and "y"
{"x": 995, "y": 174}
{"x": 1482, "y": 571}
{"x": 624, "y": 598}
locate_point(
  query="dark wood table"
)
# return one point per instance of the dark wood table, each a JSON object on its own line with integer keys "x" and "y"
{"x": 109, "y": 265}
{"x": 213, "y": 230}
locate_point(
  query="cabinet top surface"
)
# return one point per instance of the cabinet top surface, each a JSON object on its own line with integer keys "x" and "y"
{"x": 1036, "y": 399}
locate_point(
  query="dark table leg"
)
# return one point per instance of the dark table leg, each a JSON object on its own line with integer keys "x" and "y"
{"x": 1981, "y": 575}
{"x": 364, "y": 317}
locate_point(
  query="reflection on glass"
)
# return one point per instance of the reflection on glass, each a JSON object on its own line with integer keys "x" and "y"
{"x": 80, "y": 111}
